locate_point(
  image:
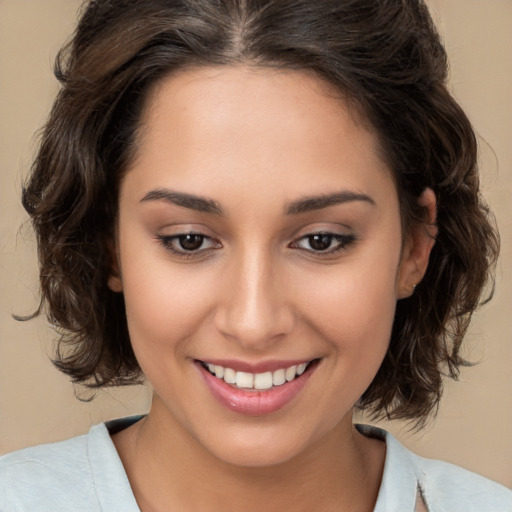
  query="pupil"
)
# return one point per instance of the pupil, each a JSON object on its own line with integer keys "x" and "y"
{"x": 191, "y": 242}
{"x": 320, "y": 242}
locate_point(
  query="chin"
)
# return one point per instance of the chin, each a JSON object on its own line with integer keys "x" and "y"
{"x": 267, "y": 444}
{"x": 256, "y": 455}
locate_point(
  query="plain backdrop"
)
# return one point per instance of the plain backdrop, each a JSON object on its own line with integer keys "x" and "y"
{"x": 37, "y": 404}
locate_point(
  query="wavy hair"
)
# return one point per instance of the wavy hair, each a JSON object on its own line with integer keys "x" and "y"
{"x": 385, "y": 57}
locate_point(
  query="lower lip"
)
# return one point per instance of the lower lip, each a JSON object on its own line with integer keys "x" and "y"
{"x": 253, "y": 402}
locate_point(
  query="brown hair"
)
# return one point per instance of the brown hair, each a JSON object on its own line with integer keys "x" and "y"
{"x": 384, "y": 56}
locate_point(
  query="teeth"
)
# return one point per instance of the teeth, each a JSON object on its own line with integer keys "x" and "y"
{"x": 244, "y": 380}
{"x": 278, "y": 377}
{"x": 258, "y": 381}
{"x": 301, "y": 368}
{"x": 263, "y": 380}
{"x": 290, "y": 373}
{"x": 219, "y": 371}
{"x": 230, "y": 376}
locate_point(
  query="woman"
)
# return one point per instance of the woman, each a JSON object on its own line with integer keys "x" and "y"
{"x": 271, "y": 211}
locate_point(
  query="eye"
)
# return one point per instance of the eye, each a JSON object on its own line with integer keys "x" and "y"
{"x": 190, "y": 241}
{"x": 187, "y": 244}
{"x": 324, "y": 243}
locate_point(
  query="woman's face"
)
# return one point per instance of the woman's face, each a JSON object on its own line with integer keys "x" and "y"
{"x": 258, "y": 232}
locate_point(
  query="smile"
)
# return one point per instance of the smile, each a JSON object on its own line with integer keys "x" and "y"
{"x": 257, "y": 381}
{"x": 267, "y": 389}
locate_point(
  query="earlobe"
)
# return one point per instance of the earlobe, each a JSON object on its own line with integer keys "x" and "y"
{"x": 417, "y": 247}
{"x": 114, "y": 281}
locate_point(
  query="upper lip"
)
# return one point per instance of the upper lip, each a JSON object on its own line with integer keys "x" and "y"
{"x": 257, "y": 367}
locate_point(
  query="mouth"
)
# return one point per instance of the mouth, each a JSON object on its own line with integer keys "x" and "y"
{"x": 258, "y": 393}
{"x": 258, "y": 381}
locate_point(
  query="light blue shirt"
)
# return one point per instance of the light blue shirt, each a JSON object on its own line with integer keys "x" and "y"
{"x": 85, "y": 474}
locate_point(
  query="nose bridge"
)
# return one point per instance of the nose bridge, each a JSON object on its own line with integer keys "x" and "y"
{"x": 254, "y": 311}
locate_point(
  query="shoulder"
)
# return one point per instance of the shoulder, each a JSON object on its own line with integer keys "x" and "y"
{"x": 444, "y": 487}
{"x": 449, "y": 488}
{"x": 55, "y": 475}
{"x": 83, "y": 473}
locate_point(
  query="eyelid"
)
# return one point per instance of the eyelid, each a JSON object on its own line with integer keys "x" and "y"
{"x": 344, "y": 241}
{"x": 175, "y": 230}
{"x": 167, "y": 242}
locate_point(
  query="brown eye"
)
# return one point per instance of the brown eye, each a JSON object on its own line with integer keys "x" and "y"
{"x": 189, "y": 245}
{"x": 191, "y": 242}
{"x": 320, "y": 242}
{"x": 324, "y": 243}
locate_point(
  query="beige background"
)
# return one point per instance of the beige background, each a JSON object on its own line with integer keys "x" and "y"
{"x": 37, "y": 404}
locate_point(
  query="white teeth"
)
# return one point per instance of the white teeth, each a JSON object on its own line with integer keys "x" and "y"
{"x": 263, "y": 380}
{"x": 301, "y": 368}
{"x": 290, "y": 373}
{"x": 244, "y": 380}
{"x": 278, "y": 377}
{"x": 257, "y": 381}
{"x": 230, "y": 375}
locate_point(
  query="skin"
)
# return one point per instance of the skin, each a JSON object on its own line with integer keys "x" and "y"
{"x": 254, "y": 141}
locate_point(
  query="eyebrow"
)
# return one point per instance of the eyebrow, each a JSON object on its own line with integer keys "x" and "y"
{"x": 191, "y": 201}
{"x": 308, "y": 204}
{"x": 304, "y": 205}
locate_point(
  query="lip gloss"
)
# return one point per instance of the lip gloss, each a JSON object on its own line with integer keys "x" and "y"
{"x": 252, "y": 402}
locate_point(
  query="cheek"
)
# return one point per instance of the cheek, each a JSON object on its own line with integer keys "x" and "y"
{"x": 164, "y": 306}
{"x": 351, "y": 318}
{"x": 353, "y": 306}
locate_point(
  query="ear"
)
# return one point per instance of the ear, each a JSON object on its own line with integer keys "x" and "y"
{"x": 114, "y": 281}
{"x": 417, "y": 246}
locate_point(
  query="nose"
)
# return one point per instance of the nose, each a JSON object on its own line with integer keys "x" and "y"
{"x": 254, "y": 309}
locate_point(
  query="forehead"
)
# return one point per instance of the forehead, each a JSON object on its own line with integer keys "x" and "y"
{"x": 259, "y": 128}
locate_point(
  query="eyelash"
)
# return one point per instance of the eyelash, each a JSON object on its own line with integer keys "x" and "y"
{"x": 343, "y": 242}
{"x": 168, "y": 241}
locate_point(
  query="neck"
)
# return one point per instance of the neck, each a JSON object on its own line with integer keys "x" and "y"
{"x": 168, "y": 469}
